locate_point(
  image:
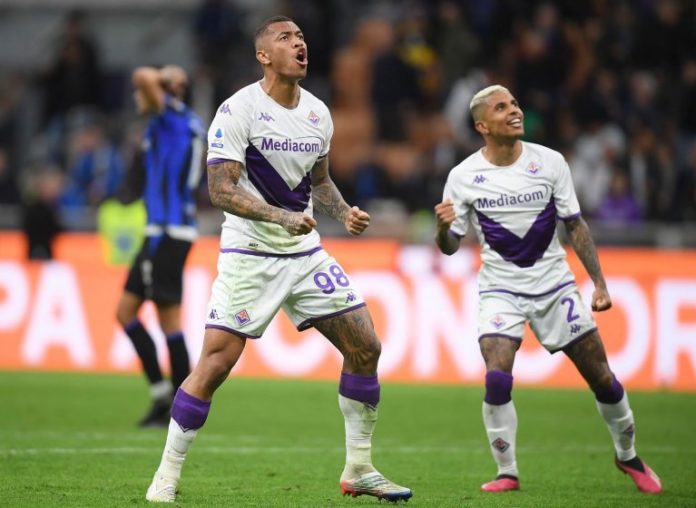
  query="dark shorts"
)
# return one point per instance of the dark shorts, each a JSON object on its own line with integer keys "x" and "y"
{"x": 157, "y": 274}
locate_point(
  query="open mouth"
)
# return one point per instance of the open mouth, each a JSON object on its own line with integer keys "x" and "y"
{"x": 515, "y": 122}
{"x": 301, "y": 57}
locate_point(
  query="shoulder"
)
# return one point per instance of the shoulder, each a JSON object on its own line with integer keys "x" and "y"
{"x": 543, "y": 152}
{"x": 314, "y": 103}
{"x": 465, "y": 167}
{"x": 242, "y": 100}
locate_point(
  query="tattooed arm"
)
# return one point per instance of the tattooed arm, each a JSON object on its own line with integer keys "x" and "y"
{"x": 584, "y": 247}
{"x": 226, "y": 195}
{"x": 327, "y": 199}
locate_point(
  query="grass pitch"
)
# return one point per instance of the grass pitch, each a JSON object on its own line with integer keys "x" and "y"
{"x": 70, "y": 440}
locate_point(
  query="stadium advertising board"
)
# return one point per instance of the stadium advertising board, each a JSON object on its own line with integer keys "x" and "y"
{"x": 59, "y": 315}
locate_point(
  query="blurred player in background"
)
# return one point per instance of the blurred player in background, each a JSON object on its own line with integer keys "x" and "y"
{"x": 268, "y": 170}
{"x": 172, "y": 158}
{"x": 513, "y": 192}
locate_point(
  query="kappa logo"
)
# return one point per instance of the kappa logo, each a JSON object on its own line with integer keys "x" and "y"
{"x": 575, "y": 329}
{"x": 350, "y": 297}
{"x": 480, "y": 179}
{"x": 313, "y": 118}
{"x": 533, "y": 168}
{"x": 225, "y": 109}
{"x": 266, "y": 117}
{"x": 242, "y": 317}
{"x": 213, "y": 314}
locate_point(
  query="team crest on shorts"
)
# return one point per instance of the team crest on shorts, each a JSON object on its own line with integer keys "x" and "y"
{"x": 498, "y": 322}
{"x": 242, "y": 317}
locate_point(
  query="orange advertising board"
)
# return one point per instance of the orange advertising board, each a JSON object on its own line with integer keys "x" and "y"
{"x": 59, "y": 315}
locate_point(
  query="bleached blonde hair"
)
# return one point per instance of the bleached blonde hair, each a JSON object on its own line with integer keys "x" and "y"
{"x": 481, "y": 96}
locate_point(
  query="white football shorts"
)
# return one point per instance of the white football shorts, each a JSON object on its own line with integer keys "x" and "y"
{"x": 557, "y": 319}
{"x": 250, "y": 288}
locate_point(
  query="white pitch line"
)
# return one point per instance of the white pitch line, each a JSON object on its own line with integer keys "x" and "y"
{"x": 261, "y": 450}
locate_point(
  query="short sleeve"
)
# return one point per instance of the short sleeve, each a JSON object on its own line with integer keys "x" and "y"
{"x": 567, "y": 206}
{"x": 228, "y": 136}
{"x": 328, "y": 134}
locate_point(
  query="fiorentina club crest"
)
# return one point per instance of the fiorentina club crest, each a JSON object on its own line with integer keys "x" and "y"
{"x": 498, "y": 322}
{"x": 313, "y": 118}
{"x": 533, "y": 168}
{"x": 242, "y": 317}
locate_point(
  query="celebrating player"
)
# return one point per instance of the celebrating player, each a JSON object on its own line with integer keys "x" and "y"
{"x": 268, "y": 169}
{"x": 513, "y": 192}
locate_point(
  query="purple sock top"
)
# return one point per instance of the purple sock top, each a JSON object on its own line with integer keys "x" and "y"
{"x": 188, "y": 411}
{"x": 498, "y": 388}
{"x": 361, "y": 388}
{"x": 611, "y": 394}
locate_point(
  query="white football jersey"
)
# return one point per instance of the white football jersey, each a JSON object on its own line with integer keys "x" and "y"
{"x": 278, "y": 147}
{"x": 514, "y": 210}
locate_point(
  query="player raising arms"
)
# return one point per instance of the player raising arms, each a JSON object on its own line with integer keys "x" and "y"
{"x": 267, "y": 170}
{"x": 513, "y": 192}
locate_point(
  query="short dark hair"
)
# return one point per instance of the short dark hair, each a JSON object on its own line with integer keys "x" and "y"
{"x": 263, "y": 28}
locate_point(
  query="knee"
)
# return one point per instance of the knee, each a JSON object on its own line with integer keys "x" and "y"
{"x": 498, "y": 387}
{"x": 372, "y": 351}
{"x": 607, "y": 389}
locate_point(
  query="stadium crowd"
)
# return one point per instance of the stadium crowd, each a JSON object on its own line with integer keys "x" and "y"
{"x": 612, "y": 85}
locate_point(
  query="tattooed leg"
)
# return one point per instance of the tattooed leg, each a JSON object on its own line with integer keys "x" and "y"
{"x": 353, "y": 334}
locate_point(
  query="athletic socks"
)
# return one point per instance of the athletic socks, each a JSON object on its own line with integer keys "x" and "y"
{"x": 501, "y": 427}
{"x": 500, "y": 420}
{"x": 178, "y": 357}
{"x": 145, "y": 347}
{"x": 188, "y": 415}
{"x": 619, "y": 420}
{"x": 358, "y": 398}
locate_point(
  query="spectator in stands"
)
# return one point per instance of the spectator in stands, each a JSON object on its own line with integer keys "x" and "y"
{"x": 619, "y": 207}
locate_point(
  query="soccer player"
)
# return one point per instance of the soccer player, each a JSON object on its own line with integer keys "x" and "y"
{"x": 172, "y": 157}
{"x": 268, "y": 171}
{"x": 513, "y": 192}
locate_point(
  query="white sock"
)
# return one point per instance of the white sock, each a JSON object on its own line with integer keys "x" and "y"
{"x": 360, "y": 423}
{"x": 619, "y": 418}
{"x": 501, "y": 427}
{"x": 161, "y": 390}
{"x": 174, "y": 453}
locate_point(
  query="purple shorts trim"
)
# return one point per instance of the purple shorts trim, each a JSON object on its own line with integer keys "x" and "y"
{"x": 216, "y": 161}
{"x": 233, "y": 331}
{"x": 272, "y": 254}
{"x": 527, "y": 295}
{"x": 501, "y": 335}
{"x": 571, "y": 217}
{"x": 576, "y": 339}
{"x": 309, "y": 323}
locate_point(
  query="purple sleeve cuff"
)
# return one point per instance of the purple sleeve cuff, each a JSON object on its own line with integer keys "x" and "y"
{"x": 571, "y": 217}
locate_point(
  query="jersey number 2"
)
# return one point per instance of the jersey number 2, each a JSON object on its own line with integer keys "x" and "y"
{"x": 571, "y": 305}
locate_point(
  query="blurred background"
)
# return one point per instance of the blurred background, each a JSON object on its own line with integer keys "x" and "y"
{"x": 610, "y": 84}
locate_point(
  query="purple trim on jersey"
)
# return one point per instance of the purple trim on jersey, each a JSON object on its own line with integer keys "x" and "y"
{"x": 216, "y": 161}
{"x": 576, "y": 339}
{"x": 232, "y": 331}
{"x": 272, "y": 254}
{"x": 188, "y": 411}
{"x": 271, "y": 185}
{"x": 523, "y": 252}
{"x": 528, "y": 295}
{"x": 498, "y": 388}
{"x": 501, "y": 335}
{"x": 309, "y": 323}
{"x": 364, "y": 389}
{"x": 611, "y": 395}
{"x": 571, "y": 217}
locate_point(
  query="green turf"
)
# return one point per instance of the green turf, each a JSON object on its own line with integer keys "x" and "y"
{"x": 70, "y": 440}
